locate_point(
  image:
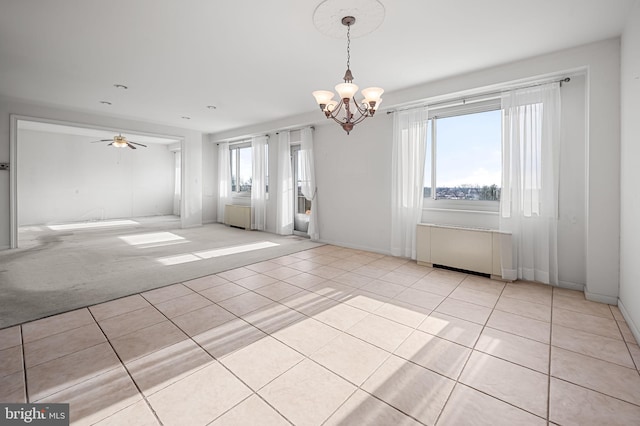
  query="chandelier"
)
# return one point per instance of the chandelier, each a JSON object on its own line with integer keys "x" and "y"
{"x": 348, "y": 111}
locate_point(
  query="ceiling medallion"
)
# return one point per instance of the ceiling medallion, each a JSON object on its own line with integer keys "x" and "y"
{"x": 327, "y": 17}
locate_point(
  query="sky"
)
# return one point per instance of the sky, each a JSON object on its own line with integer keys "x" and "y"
{"x": 468, "y": 150}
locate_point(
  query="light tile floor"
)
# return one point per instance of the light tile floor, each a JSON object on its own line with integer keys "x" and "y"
{"x": 332, "y": 336}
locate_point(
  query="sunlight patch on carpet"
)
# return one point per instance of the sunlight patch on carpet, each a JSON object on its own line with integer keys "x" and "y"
{"x": 208, "y": 254}
{"x": 88, "y": 225}
{"x": 154, "y": 239}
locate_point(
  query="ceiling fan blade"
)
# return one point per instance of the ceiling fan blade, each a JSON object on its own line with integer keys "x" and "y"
{"x": 109, "y": 144}
{"x": 131, "y": 146}
{"x": 136, "y": 143}
{"x": 102, "y": 140}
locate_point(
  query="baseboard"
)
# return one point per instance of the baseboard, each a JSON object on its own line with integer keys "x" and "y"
{"x": 195, "y": 225}
{"x": 355, "y": 246}
{"x": 632, "y": 326}
{"x": 594, "y": 297}
{"x": 571, "y": 286}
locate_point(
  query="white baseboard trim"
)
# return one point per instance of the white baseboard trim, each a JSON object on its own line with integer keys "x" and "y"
{"x": 632, "y": 326}
{"x": 570, "y": 285}
{"x": 594, "y": 297}
{"x": 355, "y": 246}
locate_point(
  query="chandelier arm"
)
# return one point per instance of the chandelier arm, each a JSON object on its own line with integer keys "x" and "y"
{"x": 340, "y": 122}
{"x": 361, "y": 110}
{"x": 361, "y": 118}
{"x": 336, "y": 110}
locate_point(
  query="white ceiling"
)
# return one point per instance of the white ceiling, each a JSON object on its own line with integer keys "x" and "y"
{"x": 259, "y": 60}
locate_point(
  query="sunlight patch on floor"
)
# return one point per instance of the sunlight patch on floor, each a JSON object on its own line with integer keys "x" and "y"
{"x": 155, "y": 239}
{"x": 208, "y": 254}
{"x": 89, "y": 225}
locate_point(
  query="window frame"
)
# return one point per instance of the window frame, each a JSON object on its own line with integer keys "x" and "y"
{"x": 237, "y": 147}
{"x": 448, "y": 111}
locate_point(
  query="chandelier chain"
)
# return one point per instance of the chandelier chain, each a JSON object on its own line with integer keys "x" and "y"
{"x": 348, "y": 45}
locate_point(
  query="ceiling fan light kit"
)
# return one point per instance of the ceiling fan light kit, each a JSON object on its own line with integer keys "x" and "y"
{"x": 120, "y": 141}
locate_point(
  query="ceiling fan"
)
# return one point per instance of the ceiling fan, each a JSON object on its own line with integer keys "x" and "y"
{"x": 120, "y": 141}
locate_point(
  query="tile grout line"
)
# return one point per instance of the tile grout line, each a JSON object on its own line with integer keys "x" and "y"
{"x": 359, "y": 387}
{"x": 144, "y": 397}
{"x": 457, "y": 380}
{"x": 253, "y": 392}
{"x": 24, "y": 365}
{"x": 305, "y": 357}
{"x": 549, "y": 364}
{"x": 624, "y": 340}
{"x": 476, "y": 350}
{"x": 598, "y": 392}
{"x": 577, "y": 384}
{"x": 428, "y": 369}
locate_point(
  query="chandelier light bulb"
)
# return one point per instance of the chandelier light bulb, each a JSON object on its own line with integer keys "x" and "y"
{"x": 346, "y": 90}
{"x": 323, "y": 97}
{"x": 372, "y": 94}
{"x": 119, "y": 142}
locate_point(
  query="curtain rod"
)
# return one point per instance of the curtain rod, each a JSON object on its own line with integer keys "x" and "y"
{"x": 463, "y": 99}
{"x": 296, "y": 129}
{"x": 242, "y": 140}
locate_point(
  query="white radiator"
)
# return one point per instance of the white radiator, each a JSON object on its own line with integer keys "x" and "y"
{"x": 239, "y": 216}
{"x": 477, "y": 250}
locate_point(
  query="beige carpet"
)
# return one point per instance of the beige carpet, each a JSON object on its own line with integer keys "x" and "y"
{"x": 78, "y": 265}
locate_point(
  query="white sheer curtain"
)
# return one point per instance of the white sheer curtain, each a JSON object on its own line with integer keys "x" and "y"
{"x": 258, "y": 183}
{"x": 308, "y": 180}
{"x": 284, "y": 208}
{"x": 224, "y": 177}
{"x": 177, "y": 185}
{"x": 529, "y": 196}
{"x": 407, "y": 179}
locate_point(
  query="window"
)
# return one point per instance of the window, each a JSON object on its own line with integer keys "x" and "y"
{"x": 302, "y": 205}
{"x": 241, "y": 169}
{"x": 266, "y": 171}
{"x": 463, "y": 160}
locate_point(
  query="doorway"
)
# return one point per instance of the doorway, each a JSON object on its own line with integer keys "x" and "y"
{"x": 301, "y": 206}
{"x": 70, "y": 174}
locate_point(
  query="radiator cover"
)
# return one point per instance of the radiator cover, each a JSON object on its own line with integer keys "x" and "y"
{"x": 470, "y": 249}
{"x": 238, "y": 216}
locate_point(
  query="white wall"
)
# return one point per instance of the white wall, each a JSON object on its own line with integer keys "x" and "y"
{"x": 209, "y": 182}
{"x": 64, "y": 178}
{"x": 572, "y": 205}
{"x": 353, "y": 172}
{"x": 192, "y": 152}
{"x": 353, "y": 175}
{"x": 630, "y": 174}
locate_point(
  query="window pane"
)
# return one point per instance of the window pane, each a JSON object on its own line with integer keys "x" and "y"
{"x": 234, "y": 171}
{"x": 245, "y": 172}
{"x": 469, "y": 156}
